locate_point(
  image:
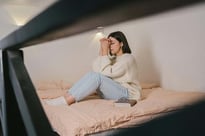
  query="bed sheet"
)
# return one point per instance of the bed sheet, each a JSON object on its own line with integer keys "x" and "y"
{"x": 95, "y": 115}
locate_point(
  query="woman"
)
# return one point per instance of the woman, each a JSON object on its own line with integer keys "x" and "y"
{"x": 114, "y": 74}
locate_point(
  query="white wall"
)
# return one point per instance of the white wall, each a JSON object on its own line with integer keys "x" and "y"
{"x": 6, "y": 23}
{"x": 169, "y": 48}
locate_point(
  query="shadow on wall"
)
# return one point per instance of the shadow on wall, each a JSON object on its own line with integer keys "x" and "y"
{"x": 148, "y": 71}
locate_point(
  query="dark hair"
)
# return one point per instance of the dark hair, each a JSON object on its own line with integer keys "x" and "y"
{"x": 118, "y": 35}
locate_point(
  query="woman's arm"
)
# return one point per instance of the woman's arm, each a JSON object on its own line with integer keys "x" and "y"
{"x": 115, "y": 70}
{"x": 102, "y": 60}
{"x": 105, "y": 45}
{"x": 103, "y": 65}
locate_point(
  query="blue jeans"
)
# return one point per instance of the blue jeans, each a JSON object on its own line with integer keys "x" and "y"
{"x": 92, "y": 82}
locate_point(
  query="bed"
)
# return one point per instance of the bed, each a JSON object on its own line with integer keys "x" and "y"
{"x": 94, "y": 115}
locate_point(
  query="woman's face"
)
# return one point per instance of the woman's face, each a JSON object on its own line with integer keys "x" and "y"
{"x": 115, "y": 47}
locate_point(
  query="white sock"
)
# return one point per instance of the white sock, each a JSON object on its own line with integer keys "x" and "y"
{"x": 57, "y": 101}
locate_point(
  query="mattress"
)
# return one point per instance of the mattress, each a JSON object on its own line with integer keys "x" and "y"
{"x": 93, "y": 115}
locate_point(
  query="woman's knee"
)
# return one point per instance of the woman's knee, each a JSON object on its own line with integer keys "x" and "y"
{"x": 95, "y": 75}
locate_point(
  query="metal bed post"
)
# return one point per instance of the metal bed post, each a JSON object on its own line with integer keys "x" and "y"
{"x": 11, "y": 120}
{"x": 20, "y": 102}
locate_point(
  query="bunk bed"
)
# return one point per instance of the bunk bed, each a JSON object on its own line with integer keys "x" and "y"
{"x": 22, "y": 112}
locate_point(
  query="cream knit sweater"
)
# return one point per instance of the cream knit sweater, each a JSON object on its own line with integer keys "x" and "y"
{"x": 122, "y": 69}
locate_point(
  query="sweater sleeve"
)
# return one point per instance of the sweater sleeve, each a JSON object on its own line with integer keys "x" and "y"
{"x": 100, "y": 63}
{"x": 104, "y": 66}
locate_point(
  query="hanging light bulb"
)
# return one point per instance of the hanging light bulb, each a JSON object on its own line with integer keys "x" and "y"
{"x": 100, "y": 32}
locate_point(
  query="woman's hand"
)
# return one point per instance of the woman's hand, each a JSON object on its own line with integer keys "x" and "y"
{"x": 105, "y": 45}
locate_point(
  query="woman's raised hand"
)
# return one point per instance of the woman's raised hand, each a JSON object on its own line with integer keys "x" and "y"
{"x": 105, "y": 45}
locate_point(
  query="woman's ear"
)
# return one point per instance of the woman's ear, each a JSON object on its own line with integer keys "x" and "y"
{"x": 121, "y": 44}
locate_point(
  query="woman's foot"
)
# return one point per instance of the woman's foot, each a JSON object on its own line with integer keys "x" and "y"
{"x": 57, "y": 101}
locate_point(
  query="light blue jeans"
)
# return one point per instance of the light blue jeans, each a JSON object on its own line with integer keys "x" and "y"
{"x": 92, "y": 82}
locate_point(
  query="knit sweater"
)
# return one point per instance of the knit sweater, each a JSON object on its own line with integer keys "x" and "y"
{"x": 122, "y": 69}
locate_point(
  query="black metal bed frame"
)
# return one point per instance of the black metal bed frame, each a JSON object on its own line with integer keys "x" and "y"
{"x": 21, "y": 112}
